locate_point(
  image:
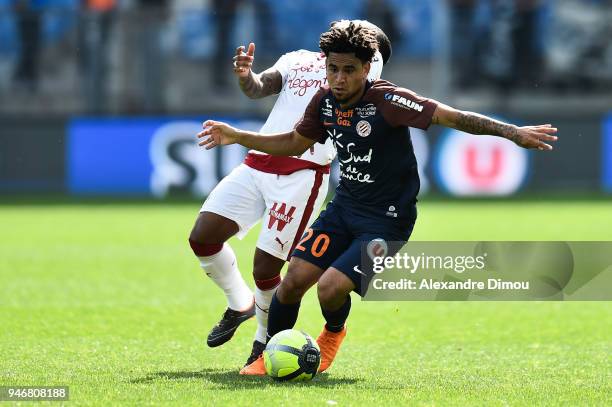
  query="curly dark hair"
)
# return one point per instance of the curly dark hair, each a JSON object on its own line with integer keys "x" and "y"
{"x": 384, "y": 44}
{"x": 352, "y": 38}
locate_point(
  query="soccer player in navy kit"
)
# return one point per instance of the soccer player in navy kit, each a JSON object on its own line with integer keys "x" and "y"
{"x": 376, "y": 196}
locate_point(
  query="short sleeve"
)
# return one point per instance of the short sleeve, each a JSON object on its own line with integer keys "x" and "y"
{"x": 310, "y": 125}
{"x": 376, "y": 67}
{"x": 403, "y": 107}
{"x": 283, "y": 65}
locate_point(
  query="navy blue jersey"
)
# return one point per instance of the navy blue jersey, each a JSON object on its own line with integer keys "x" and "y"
{"x": 377, "y": 163}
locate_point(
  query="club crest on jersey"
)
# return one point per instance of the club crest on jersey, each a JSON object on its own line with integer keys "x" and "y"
{"x": 401, "y": 101}
{"x": 363, "y": 128}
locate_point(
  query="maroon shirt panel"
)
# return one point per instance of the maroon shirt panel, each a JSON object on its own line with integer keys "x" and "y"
{"x": 310, "y": 125}
{"x": 400, "y": 106}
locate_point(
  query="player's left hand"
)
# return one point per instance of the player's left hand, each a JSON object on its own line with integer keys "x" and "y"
{"x": 217, "y": 134}
{"x": 243, "y": 62}
{"x": 536, "y": 137}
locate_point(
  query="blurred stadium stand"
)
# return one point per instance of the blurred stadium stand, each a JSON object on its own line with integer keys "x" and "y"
{"x": 466, "y": 52}
{"x": 104, "y": 96}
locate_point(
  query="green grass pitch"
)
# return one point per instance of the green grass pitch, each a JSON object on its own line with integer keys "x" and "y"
{"x": 109, "y": 300}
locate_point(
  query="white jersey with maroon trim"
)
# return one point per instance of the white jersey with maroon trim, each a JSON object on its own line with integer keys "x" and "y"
{"x": 303, "y": 73}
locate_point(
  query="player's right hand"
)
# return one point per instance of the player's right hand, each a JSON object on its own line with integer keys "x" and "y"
{"x": 244, "y": 61}
{"x": 217, "y": 134}
{"x": 536, "y": 137}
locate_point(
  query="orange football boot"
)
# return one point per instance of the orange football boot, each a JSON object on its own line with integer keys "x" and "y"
{"x": 329, "y": 343}
{"x": 256, "y": 368}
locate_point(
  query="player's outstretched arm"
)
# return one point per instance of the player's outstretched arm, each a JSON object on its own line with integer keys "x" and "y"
{"x": 218, "y": 133}
{"x": 526, "y": 136}
{"x": 253, "y": 85}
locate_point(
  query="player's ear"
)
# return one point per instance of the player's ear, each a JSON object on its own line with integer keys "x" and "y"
{"x": 366, "y": 69}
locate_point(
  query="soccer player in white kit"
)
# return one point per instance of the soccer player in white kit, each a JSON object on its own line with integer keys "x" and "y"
{"x": 286, "y": 193}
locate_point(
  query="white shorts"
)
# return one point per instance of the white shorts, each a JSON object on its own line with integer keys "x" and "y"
{"x": 286, "y": 204}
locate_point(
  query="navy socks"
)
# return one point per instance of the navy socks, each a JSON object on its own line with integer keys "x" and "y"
{"x": 336, "y": 319}
{"x": 281, "y": 316}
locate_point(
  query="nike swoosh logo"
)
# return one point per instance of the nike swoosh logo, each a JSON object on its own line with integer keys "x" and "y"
{"x": 356, "y": 268}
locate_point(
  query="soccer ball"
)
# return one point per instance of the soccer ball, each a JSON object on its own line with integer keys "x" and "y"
{"x": 292, "y": 355}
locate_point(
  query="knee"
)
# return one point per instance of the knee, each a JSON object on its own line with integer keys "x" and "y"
{"x": 290, "y": 290}
{"x": 266, "y": 266}
{"x": 202, "y": 239}
{"x": 212, "y": 229}
{"x": 331, "y": 293}
{"x": 328, "y": 293}
{"x": 201, "y": 249}
{"x": 201, "y": 234}
{"x": 196, "y": 235}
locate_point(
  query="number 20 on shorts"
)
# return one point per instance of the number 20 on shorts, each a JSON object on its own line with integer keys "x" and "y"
{"x": 319, "y": 246}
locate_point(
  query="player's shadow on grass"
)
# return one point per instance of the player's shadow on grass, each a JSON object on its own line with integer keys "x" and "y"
{"x": 230, "y": 379}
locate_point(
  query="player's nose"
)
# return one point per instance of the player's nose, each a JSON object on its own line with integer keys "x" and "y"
{"x": 340, "y": 78}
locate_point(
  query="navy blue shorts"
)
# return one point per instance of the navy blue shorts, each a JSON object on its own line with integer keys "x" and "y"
{"x": 338, "y": 235}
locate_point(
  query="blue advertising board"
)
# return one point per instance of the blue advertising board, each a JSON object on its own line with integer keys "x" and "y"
{"x": 145, "y": 156}
{"x": 160, "y": 157}
{"x": 606, "y": 158}
{"x": 471, "y": 165}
